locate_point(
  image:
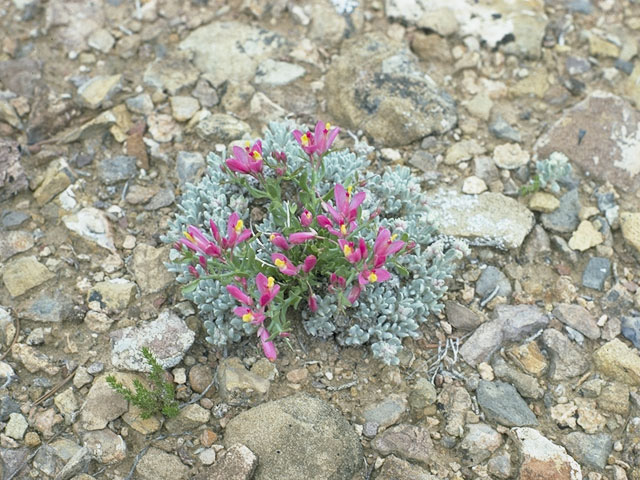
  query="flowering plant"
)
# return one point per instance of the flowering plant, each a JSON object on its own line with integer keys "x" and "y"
{"x": 311, "y": 229}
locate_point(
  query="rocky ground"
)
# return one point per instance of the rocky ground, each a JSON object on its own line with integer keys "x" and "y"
{"x": 108, "y": 107}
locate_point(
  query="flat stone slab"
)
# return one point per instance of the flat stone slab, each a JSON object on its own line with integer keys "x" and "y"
{"x": 488, "y": 219}
{"x": 601, "y": 135}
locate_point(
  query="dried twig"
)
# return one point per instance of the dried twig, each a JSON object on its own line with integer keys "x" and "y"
{"x": 56, "y": 388}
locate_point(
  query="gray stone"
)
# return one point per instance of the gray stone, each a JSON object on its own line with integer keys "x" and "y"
{"x": 565, "y": 218}
{"x": 590, "y": 450}
{"x": 16, "y": 426}
{"x": 607, "y": 148}
{"x": 21, "y": 76}
{"x": 597, "y": 271}
{"x": 221, "y": 127}
{"x": 281, "y": 434}
{"x": 102, "y": 405}
{"x": 393, "y": 101}
{"x": 11, "y": 219}
{"x": 395, "y": 468}
{"x": 47, "y": 461}
{"x": 411, "y": 442}
{"x": 92, "y": 225}
{"x": 579, "y": 318}
{"x": 480, "y": 442}
{"x": 23, "y": 274}
{"x": 490, "y": 278}
{"x": 206, "y": 94}
{"x": 189, "y": 419}
{"x": 461, "y": 317}
{"x": 386, "y": 412}
{"x": 499, "y": 128}
{"x": 141, "y": 104}
{"x": 500, "y": 465}
{"x": 117, "y": 169}
{"x": 183, "y": 107}
{"x": 159, "y": 465}
{"x": 567, "y": 360}
{"x": 501, "y": 403}
{"x": 147, "y": 266}
{"x": 78, "y": 463}
{"x": 7, "y": 406}
{"x": 237, "y": 463}
{"x": 189, "y": 166}
{"x": 489, "y": 219}
{"x": 101, "y": 40}
{"x": 631, "y": 330}
{"x": 171, "y": 73}
{"x": 527, "y": 385}
{"x": 105, "y": 446}
{"x": 167, "y": 337}
{"x": 241, "y": 46}
{"x": 422, "y": 395}
{"x": 14, "y": 242}
{"x": 274, "y": 73}
{"x": 163, "y": 198}
{"x": 485, "y": 340}
{"x": 456, "y": 403}
{"x": 48, "y": 307}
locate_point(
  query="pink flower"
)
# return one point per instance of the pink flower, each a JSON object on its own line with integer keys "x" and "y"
{"x": 313, "y": 303}
{"x": 309, "y": 263}
{"x": 306, "y": 218}
{"x": 215, "y": 232}
{"x": 239, "y": 295}
{"x": 301, "y": 237}
{"x": 195, "y": 240}
{"x": 236, "y": 233}
{"x": 372, "y": 276}
{"x": 268, "y": 347}
{"x": 351, "y": 253}
{"x": 246, "y": 160}
{"x": 284, "y": 264}
{"x": 193, "y": 271}
{"x": 346, "y": 204}
{"x": 318, "y": 142}
{"x": 249, "y": 315}
{"x": 337, "y": 281}
{"x": 279, "y": 241}
{"x": 342, "y": 231}
{"x": 354, "y": 293}
{"x": 268, "y": 289}
{"x": 384, "y": 246}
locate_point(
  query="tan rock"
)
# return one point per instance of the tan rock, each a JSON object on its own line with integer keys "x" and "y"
{"x": 23, "y": 274}
{"x": 585, "y": 237}
{"x": 619, "y": 362}
{"x": 535, "y": 84}
{"x": 56, "y": 179}
{"x": 600, "y": 47}
{"x": 630, "y": 225}
{"x": 463, "y": 150}
{"x": 543, "y": 202}
{"x": 529, "y": 357}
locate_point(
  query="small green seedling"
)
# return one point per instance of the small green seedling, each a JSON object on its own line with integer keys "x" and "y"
{"x": 161, "y": 399}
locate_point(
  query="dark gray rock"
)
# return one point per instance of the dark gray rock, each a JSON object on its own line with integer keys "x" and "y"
{"x": 480, "y": 442}
{"x": 411, "y": 442}
{"x": 393, "y": 101}
{"x": 7, "y": 406}
{"x": 281, "y": 434}
{"x": 597, "y": 271}
{"x": 163, "y": 198}
{"x": 631, "y": 330}
{"x": 520, "y": 321}
{"x": 189, "y": 165}
{"x": 565, "y": 218}
{"x": 527, "y": 385}
{"x": 10, "y": 219}
{"x": 490, "y": 278}
{"x": 567, "y": 359}
{"x": 577, "y": 65}
{"x": 386, "y": 412}
{"x": 48, "y": 307}
{"x": 590, "y": 450}
{"x": 500, "y": 129}
{"x": 501, "y": 403}
{"x": 117, "y": 169}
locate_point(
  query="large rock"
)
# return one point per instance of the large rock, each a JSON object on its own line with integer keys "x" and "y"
{"x": 231, "y": 51}
{"x": 601, "y": 134}
{"x": 168, "y": 338}
{"x": 159, "y": 465}
{"x": 92, "y": 225}
{"x": 543, "y": 459}
{"x": 489, "y": 219}
{"x": 282, "y": 434}
{"x": 171, "y": 73}
{"x": 501, "y": 403}
{"x": 615, "y": 360}
{"x": 378, "y": 86}
{"x": 517, "y": 26}
{"x": 14, "y": 242}
{"x": 23, "y": 274}
{"x": 147, "y": 266}
{"x": 102, "y": 405}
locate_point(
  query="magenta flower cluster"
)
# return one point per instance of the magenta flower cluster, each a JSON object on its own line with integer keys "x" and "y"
{"x": 320, "y": 250}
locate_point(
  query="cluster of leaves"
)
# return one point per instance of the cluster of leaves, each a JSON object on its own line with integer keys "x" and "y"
{"x": 160, "y": 399}
{"x": 355, "y": 252}
{"x": 548, "y": 173}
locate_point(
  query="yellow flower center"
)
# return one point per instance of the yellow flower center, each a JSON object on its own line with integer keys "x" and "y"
{"x": 239, "y": 226}
{"x": 307, "y": 215}
{"x": 270, "y": 282}
{"x": 347, "y": 250}
{"x": 343, "y": 229}
{"x": 280, "y": 263}
{"x": 327, "y": 126}
{"x": 256, "y": 155}
{"x": 247, "y": 317}
{"x": 188, "y": 236}
{"x": 247, "y": 144}
{"x": 305, "y": 140}
{"x": 349, "y": 190}
{"x": 373, "y": 277}
{"x": 393, "y": 237}
{"x": 272, "y": 237}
